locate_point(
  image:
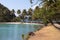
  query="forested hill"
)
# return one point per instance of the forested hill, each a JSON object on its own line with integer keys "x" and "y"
{"x": 5, "y": 14}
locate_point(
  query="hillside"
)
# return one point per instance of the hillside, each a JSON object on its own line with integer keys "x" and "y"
{"x": 5, "y": 14}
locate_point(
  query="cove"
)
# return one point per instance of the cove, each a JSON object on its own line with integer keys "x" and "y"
{"x": 15, "y": 31}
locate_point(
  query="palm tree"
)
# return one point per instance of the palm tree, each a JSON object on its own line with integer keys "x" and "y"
{"x": 18, "y": 11}
{"x": 30, "y": 11}
{"x": 36, "y": 14}
{"x": 24, "y": 12}
{"x": 12, "y": 11}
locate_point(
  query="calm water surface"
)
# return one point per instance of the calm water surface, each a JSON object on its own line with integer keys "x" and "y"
{"x": 15, "y": 31}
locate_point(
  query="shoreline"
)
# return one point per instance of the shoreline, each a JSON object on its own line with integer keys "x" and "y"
{"x": 20, "y": 23}
{"x": 47, "y": 33}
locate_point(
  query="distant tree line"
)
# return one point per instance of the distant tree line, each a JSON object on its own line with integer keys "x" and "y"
{"x": 49, "y": 11}
{"x": 7, "y": 15}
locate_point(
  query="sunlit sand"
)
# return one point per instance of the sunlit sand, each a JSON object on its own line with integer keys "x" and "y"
{"x": 47, "y": 33}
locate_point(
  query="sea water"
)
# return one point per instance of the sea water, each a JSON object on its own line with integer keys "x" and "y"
{"x": 15, "y": 31}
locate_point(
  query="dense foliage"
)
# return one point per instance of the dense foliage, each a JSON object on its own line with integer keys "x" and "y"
{"x": 49, "y": 11}
{"x": 5, "y": 14}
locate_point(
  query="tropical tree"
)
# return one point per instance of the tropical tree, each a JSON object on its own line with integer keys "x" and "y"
{"x": 16, "y": 19}
{"x": 5, "y": 14}
{"x": 52, "y": 8}
{"x": 49, "y": 9}
{"x": 30, "y": 12}
{"x": 12, "y": 11}
{"x": 24, "y": 12}
{"x": 18, "y": 11}
{"x": 36, "y": 14}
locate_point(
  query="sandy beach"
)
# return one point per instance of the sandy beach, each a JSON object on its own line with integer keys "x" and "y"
{"x": 46, "y": 33}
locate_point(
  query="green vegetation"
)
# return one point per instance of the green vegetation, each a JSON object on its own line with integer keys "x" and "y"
{"x": 16, "y": 19}
{"x": 49, "y": 11}
{"x": 18, "y": 11}
{"x": 23, "y": 36}
{"x": 5, "y": 14}
{"x": 36, "y": 14}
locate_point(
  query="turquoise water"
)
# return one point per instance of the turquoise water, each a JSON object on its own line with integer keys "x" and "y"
{"x": 15, "y": 31}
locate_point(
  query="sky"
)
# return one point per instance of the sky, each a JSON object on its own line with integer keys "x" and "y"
{"x": 17, "y": 4}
